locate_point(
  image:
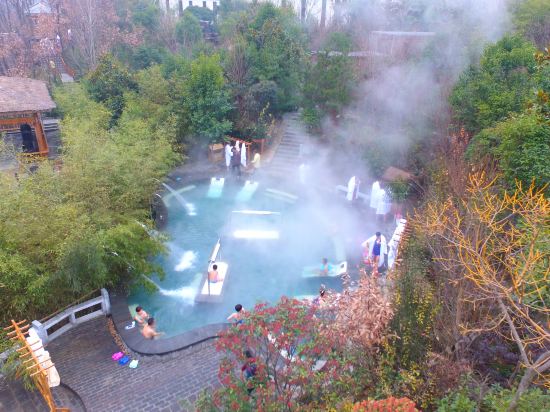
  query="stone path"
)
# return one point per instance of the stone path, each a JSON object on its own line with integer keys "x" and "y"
{"x": 160, "y": 383}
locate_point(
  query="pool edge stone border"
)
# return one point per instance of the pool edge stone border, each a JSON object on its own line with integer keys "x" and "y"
{"x": 137, "y": 343}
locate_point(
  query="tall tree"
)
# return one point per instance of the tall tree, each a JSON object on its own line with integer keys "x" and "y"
{"x": 329, "y": 82}
{"x": 532, "y": 19}
{"x": 323, "y": 14}
{"x": 107, "y": 84}
{"x": 500, "y": 85}
{"x": 206, "y": 101}
{"x": 94, "y": 26}
{"x": 188, "y": 31}
{"x": 498, "y": 242}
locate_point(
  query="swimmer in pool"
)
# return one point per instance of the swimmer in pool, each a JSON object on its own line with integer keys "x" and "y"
{"x": 237, "y": 317}
{"x": 150, "y": 329}
{"x": 141, "y": 316}
{"x": 325, "y": 268}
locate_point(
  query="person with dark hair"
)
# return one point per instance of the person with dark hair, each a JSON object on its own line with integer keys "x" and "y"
{"x": 376, "y": 248}
{"x": 149, "y": 330}
{"x": 214, "y": 276}
{"x": 237, "y": 317}
{"x": 236, "y": 161}
{"x": 249, "y": 368}
{"x": 141, "y": 316}
{"x": 320, "y": 300}
{"x": 325, "y": 268}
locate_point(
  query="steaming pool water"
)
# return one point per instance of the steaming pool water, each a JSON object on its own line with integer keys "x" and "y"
{"x": 259, "y": 269}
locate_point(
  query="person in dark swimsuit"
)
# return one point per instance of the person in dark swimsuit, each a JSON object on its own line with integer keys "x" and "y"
{"x": 376, "y": 252}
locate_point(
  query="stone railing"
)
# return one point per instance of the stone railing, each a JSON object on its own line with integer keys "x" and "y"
{"x": 69, "y": 318}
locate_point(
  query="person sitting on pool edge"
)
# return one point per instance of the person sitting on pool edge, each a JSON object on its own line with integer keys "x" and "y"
{"x": 149, "y": 330}
{"x": 141, "y": 316}
{"x": 237, "y": 317}
{"x": 214, "y": 276}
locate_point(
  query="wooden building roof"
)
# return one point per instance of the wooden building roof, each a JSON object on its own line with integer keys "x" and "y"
{"x": 41, "y": 7}
{"x": 393, "y": 173}
{"x": 18, "y": 94}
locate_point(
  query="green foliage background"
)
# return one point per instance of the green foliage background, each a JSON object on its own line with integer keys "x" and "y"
{"x": 67, "y": 231}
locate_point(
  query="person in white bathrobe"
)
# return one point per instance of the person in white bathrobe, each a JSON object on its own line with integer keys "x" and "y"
{"x": 377, "y": 248}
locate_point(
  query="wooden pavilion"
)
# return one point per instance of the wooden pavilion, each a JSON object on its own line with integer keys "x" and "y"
{"x": 21, "y": 102}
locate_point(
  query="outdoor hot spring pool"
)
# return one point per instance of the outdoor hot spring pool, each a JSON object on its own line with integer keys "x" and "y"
{"x": 259, "y": 269}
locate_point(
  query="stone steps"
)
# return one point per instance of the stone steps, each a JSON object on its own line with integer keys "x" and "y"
{"x": 287, "y": 158}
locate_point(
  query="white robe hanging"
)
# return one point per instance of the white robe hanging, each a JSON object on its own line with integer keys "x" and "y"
{"x": 228, "y": 155}
{"x": 303, "y": 171}
{"x": 384, "y": 205}
{"x": 243, "y": 154}
{"x": 383, "y": 247}
{"x": 374, "y": 194}
{"x": 351, "y": 189}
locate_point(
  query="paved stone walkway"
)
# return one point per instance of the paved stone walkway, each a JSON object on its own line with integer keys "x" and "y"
{"x": 160, "y": 383}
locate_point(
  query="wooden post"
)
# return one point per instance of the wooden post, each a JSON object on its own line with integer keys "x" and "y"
{"x": 35, "y": 370}
{"x": 40, "y": 135}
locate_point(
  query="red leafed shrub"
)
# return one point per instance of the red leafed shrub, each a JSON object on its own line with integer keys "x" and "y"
{"x": 359, "y": 316}
{"x": 299, "y": 350}
{"x": 386, "y": 405}
{"x": 293, "y": 359}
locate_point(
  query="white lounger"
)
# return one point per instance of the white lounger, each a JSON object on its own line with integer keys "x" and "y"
{"x": 216, "y": 187}
{"x": 248, "y": 190}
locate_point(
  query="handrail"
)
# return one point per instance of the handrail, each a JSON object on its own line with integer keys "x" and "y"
{"x": 42, "y": 329}
{"x": 68, "y": 69}
{"x": 215, "y": 251}
{"x": 213, "y": 258}
{"x": 44, "y": 319}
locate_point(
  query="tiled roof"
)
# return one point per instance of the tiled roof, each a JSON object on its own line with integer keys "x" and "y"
{"x": 40, "y": 7}
{"x": 18, "y": 94}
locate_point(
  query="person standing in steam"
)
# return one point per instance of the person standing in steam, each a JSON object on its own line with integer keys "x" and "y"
{"x": 255, "y": 163}
{"x": 377, "y": 249}
{"x": 228, "y": 155}
{"x": 236, "y": 161}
